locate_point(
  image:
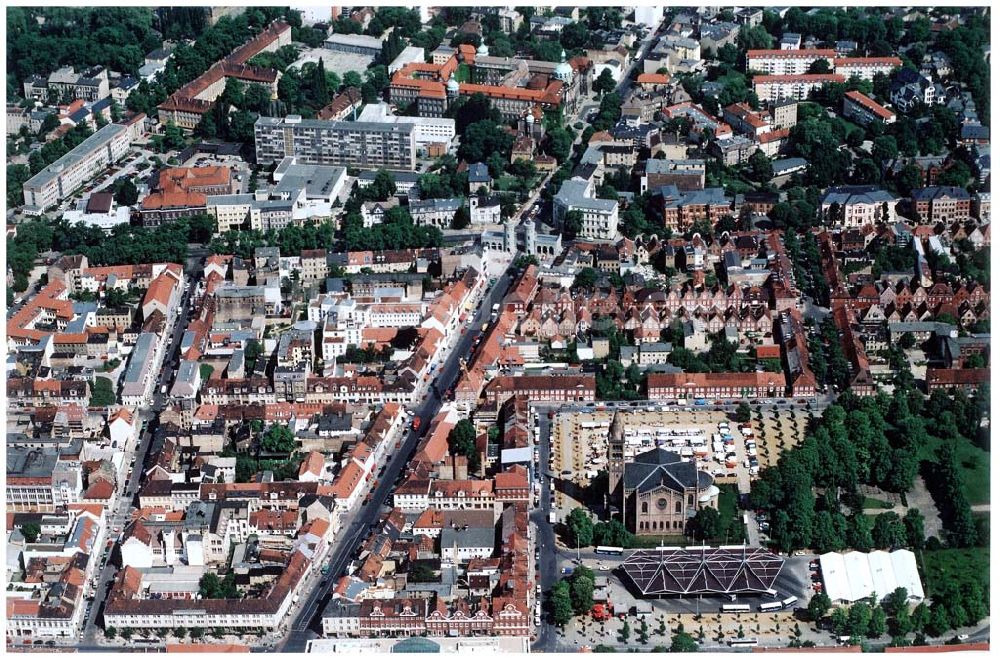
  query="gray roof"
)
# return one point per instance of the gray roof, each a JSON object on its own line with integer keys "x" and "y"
{"x": 938, "y": 191}
{"x": 479, "y": 173}
{"x": 851, "y": 194}
{"x": 30, "y": 462}
{"x": 471, "y": 537}
{"x": 573, "y": 194}
{"x": 397, "y": 176}
{"x": 660, "y": 468}
{"x": 436, "y": 205}
{"x": 96, "y": 141}
{"x": 141, "y": 354}
{"x": 787, "y": 164}
{"x": 355, "y": 40}
{"x": 654, "y": 166}
{"x": 354, "y": 126}
{"x": 317, "y": 180}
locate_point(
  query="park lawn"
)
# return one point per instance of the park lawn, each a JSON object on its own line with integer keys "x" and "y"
{"x": 956, "y": 565}
{"x": 975, "y": 464}
{"x": 463, "y": 73}
{"x": 874, "y": 503}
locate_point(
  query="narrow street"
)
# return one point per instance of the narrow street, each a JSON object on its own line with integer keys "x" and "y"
{"x": 306, "y": 624}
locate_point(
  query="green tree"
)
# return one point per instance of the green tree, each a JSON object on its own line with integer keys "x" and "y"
{"x": 102, "y": 393}
{"x": 743, "y": 413}
{"x": 914, "y": 523}
{"x": 819, "y": 606}
{"x": 585, "y": 278}
{"x": 579, "y": 528}
{"x": 559, "y": 144}
{"x": 604, "y": 83}
{"x": 126, "y": 193}
{"x": 383, "y": 187}
{"x": 110, "y": 632}
{"x": 278, "y": 439}
{"x": 31, "y": 530}
{"x": 560, "y": 605}
{"x": 682, "y": 642}
{"x": 858, "y": 619}
{"x": 761, "y": 169}
{"x": 572, "y": 223}
{"x": 706, "y": 524}
{"x": 462, "y": 441}
{"x": 878, "y": 625}
{"x": 581, "y": 590}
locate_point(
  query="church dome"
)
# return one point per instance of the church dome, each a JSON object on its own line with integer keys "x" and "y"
{"x": 452, "y": 84}
{"x": 482, "y": 49}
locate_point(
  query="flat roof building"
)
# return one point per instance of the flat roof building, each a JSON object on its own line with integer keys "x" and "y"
{"x": 340, "y": 143}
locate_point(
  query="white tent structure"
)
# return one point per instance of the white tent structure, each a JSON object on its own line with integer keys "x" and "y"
{"x": 850, "y": 577}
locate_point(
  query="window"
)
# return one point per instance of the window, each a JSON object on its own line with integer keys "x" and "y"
{"x": 677, "y": 507}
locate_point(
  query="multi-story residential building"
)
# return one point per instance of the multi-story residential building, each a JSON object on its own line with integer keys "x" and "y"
{"x": 774, "y": 88}
{"x": 186, "y": 106}
{"x": 863, "y": 109}
{"x": 865, "y": 67}
{"x": 853, "y": 206}
{"x": 600, "y": 216}
{"x": 342, "y": 143}
{"x": 61, "y": 178}
{"x": 787, "y": 62}
{"x": 140, "y": 375}
{"x": 91, "y": 85}
{"x": 941, "y": 204}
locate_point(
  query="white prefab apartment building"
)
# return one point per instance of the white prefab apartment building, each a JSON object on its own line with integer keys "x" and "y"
{"x": 340, "y": 143}
{"x": 61, "y": 178}
{"x": 774, "y": 88}
{"x": 787, "y": 62}
{"x": 865, "y": 67}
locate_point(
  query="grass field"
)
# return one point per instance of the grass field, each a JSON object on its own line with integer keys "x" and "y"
{"x": 874, "y": 503}
{"x": 975, "y": 464}
{"x": 956, "y": 565}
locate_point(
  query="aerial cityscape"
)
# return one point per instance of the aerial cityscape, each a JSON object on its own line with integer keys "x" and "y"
{"x": 520, "y": 329}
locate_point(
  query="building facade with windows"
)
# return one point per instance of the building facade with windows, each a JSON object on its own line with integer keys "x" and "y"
{"x": 341, "y": 143}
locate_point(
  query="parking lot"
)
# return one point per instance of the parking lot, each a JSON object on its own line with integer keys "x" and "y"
{"x": 335, "y": 61}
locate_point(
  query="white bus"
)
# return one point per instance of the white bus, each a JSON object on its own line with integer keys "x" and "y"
{"x": 609, "y": 550}
{"x": 745, "y": 642}
{"x": 736, "y": 608}
{"x": 773, "y": 606}
{"x": 791, "y": 600}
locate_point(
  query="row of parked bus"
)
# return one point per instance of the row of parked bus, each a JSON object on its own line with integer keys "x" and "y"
{"x": 771, "y": 606}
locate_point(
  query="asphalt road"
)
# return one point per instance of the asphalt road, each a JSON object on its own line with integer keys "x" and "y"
{"x": 307, "y": 624}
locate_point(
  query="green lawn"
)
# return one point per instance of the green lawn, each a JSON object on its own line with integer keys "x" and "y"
{"x": 463, "y": 73}
{"x": 955, "y": 565}
{"x": 875, "y": 503}
{"x": 975, "y": 463}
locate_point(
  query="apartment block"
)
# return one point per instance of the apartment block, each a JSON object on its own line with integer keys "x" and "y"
{"x": 774, "y": 88}
{"x": 865, "y": 67}
{"x": 344, "y": 143}
{"x": 787, "y": 62}
{"x": 61, "y": 178}
{"x": 864, "y": 110}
